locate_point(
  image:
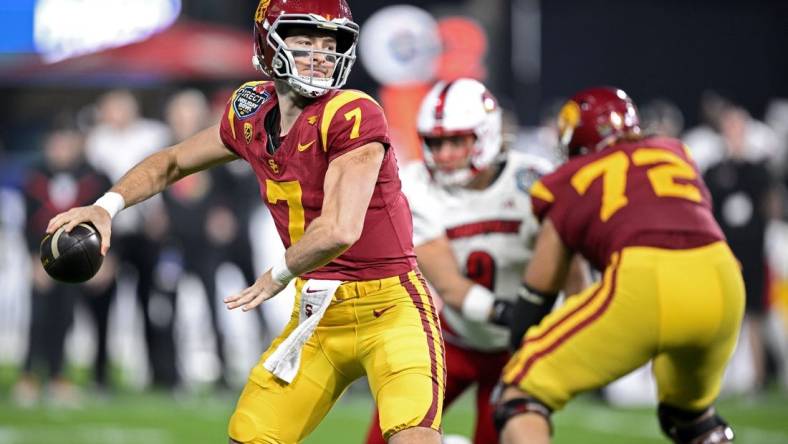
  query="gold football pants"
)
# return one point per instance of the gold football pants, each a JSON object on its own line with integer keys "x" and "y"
{"x": 386, "y": 329}
{"x": 681, "y": 308}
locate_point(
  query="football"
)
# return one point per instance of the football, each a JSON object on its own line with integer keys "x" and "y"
{"x": 72, "y": 257}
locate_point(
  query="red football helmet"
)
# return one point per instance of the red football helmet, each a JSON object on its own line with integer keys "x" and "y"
{"x": 275, "y": 59}
{"x": 594, "y": 118}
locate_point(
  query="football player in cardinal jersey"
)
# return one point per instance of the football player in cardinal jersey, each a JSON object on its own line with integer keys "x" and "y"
{"x": 473, "y": 233}
{"x": 329, "y": 176}
{"x": 671, "y": 293}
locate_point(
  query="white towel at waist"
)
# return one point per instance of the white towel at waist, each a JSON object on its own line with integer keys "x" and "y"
{"x": 316, "y": 296}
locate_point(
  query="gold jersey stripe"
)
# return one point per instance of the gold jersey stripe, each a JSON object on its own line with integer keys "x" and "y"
{"x": 539, "y": 190}
{"x": 333, "y": 106}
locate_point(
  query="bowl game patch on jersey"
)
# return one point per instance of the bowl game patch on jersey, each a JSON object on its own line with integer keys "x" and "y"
{"x": 526, "y": 176}
{"x": 247, "y": 101}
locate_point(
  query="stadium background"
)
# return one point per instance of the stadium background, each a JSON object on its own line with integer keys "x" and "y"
{"x": 532, "y": 53}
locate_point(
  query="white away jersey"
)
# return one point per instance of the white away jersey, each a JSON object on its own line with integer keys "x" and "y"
{"x": 492, "y": 232}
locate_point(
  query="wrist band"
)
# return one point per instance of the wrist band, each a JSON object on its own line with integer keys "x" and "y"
{"x": 112, "y": 202}
{"x": 478, "y": 304}
{"x": 280, "y": 272}
{"x": 536, "y": 297}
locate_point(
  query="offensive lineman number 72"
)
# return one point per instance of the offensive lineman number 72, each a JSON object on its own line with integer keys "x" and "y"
{"x": 613, "y": 170}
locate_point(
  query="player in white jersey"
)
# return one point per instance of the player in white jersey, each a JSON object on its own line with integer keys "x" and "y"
{"x": 490, "y": 231}
{"x": 473, "y": 233}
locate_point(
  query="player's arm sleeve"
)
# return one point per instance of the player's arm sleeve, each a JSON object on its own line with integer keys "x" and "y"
{"x": 542, "y": 199}
{"x": 352, "y": 119}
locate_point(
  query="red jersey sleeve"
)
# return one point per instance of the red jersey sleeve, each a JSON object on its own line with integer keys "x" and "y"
{"x": 242, "y": 106}
{"x": 352, "y": 119}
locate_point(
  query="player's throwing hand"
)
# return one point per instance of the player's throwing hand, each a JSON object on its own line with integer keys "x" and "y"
{"x": 93, "y": 214}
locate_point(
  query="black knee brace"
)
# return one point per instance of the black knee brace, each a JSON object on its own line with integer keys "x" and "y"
{"x": 693, "y": 427}
{"x": 505, "y": 411}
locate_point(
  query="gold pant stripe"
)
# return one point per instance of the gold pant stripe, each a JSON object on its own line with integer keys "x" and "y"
{"x": 573, "y": 322}
{"x": 551, "y": 326}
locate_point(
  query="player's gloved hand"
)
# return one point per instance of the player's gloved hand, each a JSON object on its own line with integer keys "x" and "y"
{"x": 532, "y": 305}
{"x": 502, "y": 313}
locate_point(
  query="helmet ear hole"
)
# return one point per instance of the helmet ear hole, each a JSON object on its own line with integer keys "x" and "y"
{"x": 285, "y": 30}
{"x": 345, "y": 41}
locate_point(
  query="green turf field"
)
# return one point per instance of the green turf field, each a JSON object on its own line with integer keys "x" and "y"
{"x": 151, "y": 418}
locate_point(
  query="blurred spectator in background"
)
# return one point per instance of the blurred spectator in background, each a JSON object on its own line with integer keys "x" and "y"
{"x": 11, "y": 171}
{"x": 662, "y": 117}
{"x": 61, "y": 181}
{"x": 4, "y": 162}
{"x": 741, "y": 190}
{"x": 209, "y": 215}
{"x": 14, "y": 266}
{"x": 777, "y": 119}
{"x": 120, "y": 139}
{"x": 704, "y": 140}
{"x": 186, "y": 113}
{"x": 707, "y": 141}
{"x": 777, "y": 238}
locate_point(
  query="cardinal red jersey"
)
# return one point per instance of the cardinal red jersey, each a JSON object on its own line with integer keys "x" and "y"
{"x": 291, "y": 179}
{"x": 645, "y": 192}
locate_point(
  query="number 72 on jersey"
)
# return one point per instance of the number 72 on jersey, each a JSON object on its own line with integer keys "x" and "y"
{"x": 663, "y": 168}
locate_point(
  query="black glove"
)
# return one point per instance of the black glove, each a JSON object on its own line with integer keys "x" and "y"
{"x": 531, "y": 306}
{"x": 502, "y": 313}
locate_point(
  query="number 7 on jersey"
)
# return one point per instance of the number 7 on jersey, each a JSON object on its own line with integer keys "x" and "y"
{"x": 290, "y": 192}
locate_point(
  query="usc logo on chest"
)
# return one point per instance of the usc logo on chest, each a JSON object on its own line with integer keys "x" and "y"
{"x": 273, "y": 165}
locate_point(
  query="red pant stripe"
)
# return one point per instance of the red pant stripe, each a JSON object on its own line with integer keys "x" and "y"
{"x": 425, "y": 323}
